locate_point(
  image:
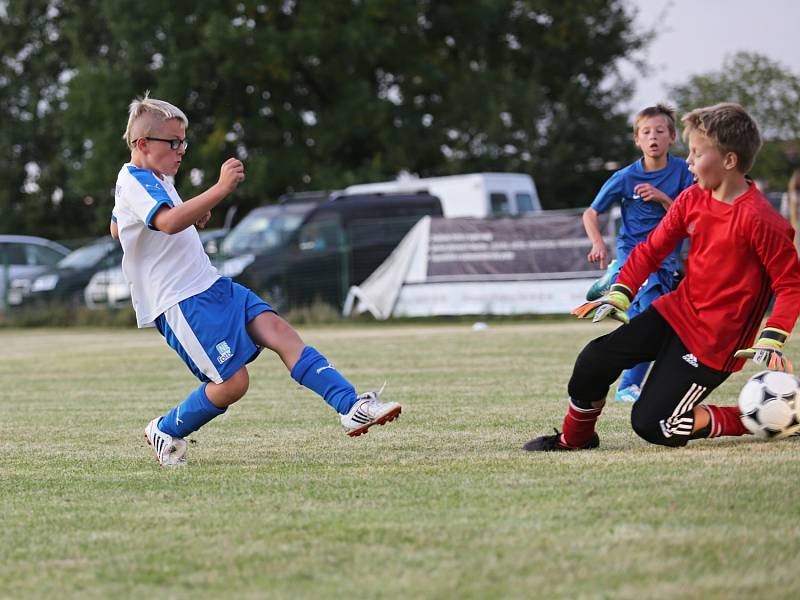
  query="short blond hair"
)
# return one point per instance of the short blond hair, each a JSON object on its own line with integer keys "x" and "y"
{"x": 146, "y": 115}
{"x": 729, "y": 127}
{"x": 659, "y": 110}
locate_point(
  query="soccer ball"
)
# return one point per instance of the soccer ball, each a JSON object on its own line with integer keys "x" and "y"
{"x": 770, "y": 405}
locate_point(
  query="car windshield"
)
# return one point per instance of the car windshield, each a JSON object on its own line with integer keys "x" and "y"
{"x": 86, "y": 256}
{"x": 260, "y": 231}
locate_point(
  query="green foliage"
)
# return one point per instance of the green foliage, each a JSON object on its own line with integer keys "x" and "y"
{"x": 35, "y": 60}
{"x": 769, "y": 92}
{"x": 311, "y": 94}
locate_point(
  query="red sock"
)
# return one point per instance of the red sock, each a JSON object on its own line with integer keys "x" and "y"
{"x": 578, "y": 425}
{"x": 725, "y": 420}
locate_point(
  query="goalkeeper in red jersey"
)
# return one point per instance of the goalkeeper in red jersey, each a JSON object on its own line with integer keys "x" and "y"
{"x": 741, "y": 253}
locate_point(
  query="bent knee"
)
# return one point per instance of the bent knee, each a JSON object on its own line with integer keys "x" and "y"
{"x": 648, "y": 430}
{"x": 590, "y": 356}
{"x": 651, "y": 430}
{"x": 237, "y": 385}
{"x": 241, "y": 380}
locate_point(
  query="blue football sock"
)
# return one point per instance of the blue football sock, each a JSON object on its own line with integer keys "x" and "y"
{"x": 190, "y": 415}
{"x": 317, "y": 374}
{"x": 634, "y": 375}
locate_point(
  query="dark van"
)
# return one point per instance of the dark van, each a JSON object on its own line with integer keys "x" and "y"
{"x": 338, "y": 244}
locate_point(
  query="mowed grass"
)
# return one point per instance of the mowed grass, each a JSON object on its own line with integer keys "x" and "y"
{"x": 277, "y": 503}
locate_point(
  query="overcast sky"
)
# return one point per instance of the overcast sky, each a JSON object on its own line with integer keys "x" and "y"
{"x": 694, "y": 37}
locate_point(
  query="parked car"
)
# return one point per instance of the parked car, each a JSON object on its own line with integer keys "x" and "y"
{"x": 23, "y": 257}
{"x": 108, "y": 287}
{"x": 338, "y": 244}
{"x": 66, "y": 281}
{"x": 263, "y": 230}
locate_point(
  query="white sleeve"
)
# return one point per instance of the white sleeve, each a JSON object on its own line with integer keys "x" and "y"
{"x": 144, "y": 195}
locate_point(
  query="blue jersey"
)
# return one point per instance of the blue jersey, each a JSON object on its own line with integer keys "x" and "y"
{"x": 639, "y": 217}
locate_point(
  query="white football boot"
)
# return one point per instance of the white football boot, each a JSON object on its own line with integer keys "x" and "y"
{"x": 369, "y": 411}
{"x": 170, "y": 451}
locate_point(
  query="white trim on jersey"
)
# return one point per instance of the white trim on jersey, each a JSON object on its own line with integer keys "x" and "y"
{"x": 183, "y": 331}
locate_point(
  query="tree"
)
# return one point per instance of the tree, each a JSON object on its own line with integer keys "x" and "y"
{"x": 311, "y": 94}
{"x": 769, "y": 92}
{"x": 31, "y": 93}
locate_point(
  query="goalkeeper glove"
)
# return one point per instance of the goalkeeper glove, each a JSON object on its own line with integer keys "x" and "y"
{"x": 613, "y": 304}
{"x": 768, "y": 350}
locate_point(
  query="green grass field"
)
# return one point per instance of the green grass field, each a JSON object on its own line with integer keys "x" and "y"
{"x": 277, "y": 502}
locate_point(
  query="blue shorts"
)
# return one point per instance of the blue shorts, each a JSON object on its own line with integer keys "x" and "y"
{"x": 209, "y": 330}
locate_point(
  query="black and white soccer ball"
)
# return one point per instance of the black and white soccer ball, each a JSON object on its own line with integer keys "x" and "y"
{"x": 770, "y": 405}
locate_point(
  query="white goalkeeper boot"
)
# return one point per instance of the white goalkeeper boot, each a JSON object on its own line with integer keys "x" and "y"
{"x": 170, "y": 451}
{"x": 369, "y": 411}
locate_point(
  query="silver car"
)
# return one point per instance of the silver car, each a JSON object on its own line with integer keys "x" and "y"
{"x": 22, "y": 257}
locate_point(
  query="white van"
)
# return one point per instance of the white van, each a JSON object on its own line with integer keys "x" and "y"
{"x": 470, "y": 195}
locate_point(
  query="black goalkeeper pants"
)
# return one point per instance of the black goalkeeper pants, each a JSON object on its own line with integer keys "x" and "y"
{"x": 677, "y": 382}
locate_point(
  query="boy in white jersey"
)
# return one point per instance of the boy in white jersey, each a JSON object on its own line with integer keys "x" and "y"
{"x": 214, "y": 324}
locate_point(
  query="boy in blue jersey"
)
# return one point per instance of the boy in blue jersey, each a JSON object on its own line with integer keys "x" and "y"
{"x": 644, "y": 190}
{"x": 215, "y": 325}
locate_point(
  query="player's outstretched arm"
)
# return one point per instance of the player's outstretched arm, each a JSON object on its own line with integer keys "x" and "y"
{"x": 591, "y": 223}
{"x": 614, "y": 304}
{"x": 768, "y": 350}
{"x": 175, "y": 219}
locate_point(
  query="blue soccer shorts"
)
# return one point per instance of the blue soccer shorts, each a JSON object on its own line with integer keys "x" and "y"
{"x": 209, "y": 330}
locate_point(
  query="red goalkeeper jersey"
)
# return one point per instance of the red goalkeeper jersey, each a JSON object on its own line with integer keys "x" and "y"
{"x": 740, "y": 254}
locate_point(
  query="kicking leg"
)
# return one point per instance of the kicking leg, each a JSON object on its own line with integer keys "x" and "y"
{"x": 311, "y": 369}
{"x": 268, "y": 330}
{"x": 307, "y": 366}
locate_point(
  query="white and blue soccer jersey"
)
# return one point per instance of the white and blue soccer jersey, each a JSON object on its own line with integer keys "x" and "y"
{"x": 640, "y": 217}
{"x": 161, "y": 269}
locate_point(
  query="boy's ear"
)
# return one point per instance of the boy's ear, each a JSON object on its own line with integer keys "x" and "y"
{"x": 730, "y": 161}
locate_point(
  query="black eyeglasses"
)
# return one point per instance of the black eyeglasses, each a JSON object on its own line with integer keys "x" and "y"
{"x": 174, "y": 144}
